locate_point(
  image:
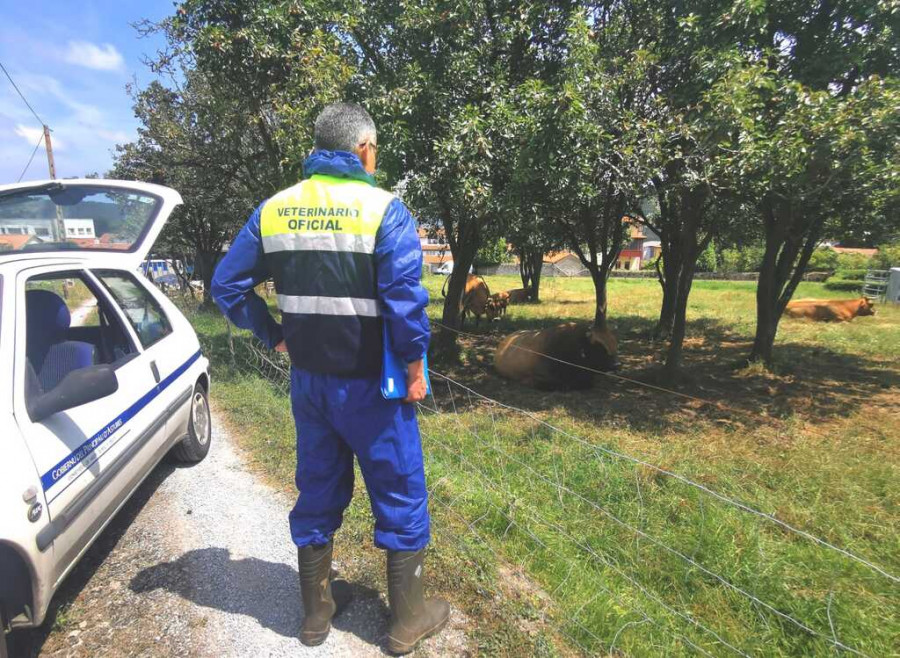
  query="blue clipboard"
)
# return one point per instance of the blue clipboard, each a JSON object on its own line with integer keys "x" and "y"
{"x": 393, "y": 372}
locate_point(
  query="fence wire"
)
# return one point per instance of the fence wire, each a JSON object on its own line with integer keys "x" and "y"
{"x": 498, "y": 493}
{"x": 663, "y": 471}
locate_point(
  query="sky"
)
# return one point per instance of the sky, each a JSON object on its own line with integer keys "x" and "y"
{"x": 72, "y": 60}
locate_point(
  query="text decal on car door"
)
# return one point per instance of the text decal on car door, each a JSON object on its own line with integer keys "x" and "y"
{"x": 79, "y": 460}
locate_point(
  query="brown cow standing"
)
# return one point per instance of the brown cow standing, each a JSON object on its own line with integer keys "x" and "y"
{"x": 476, "y": 300}
{"x": 829, "y": 310}
{"x": 523, "y": 356}
{"x": 499, "y": 302}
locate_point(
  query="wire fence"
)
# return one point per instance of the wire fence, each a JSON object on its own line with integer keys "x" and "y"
{"x": 631, "y": 554}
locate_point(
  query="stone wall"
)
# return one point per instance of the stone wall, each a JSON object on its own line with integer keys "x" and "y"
{"x": 512, "y": 269}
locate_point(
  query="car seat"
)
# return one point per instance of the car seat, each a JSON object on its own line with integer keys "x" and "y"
{"x": 49, "y": 352}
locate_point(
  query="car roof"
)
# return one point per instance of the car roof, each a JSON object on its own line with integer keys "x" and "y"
{"x": 11, "y": 265}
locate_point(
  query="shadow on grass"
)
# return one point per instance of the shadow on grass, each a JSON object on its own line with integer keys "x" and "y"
{"x": 811, "y": 381}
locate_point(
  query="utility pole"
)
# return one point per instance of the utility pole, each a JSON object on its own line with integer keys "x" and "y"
{"x": 49, "y": 151}
{"x": 59, "y": 226}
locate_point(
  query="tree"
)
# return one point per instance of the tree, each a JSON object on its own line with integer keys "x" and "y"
{"x": 594, "y": 146}
{"x": 686, "y": 204}
{"x": 438, "y": 76}
{"x": 192, "y": 142}
{"x": 275, "y": 63}
{"x": 531, "y": 238}
{"x": 527, "y": 222}
{"x": 229, "y": 120}
{"x": 802, "y": 158}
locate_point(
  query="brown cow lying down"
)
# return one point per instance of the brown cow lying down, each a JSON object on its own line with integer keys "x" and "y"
{"x": 518, "y": 357}
{"x": 518, "y": 296}
{"x": 829, "y": 310}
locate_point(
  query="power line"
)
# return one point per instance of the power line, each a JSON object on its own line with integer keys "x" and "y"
{"x": 653, "y": 539}
{"x": 21, "y": 95}
{"x": 36, "y": 147}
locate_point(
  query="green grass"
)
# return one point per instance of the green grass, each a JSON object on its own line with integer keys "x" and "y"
{"x": 526, "y": 543}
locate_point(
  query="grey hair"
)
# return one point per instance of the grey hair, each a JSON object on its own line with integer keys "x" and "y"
{"x": 343, "y": 127}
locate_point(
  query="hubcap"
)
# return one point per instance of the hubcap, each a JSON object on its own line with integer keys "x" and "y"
{"x": 200, "y": 417}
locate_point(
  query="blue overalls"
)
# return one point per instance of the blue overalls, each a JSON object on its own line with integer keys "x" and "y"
{"x": 346, "y": 261}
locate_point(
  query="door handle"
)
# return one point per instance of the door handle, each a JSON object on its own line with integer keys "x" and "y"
{"x": 155, "y": 371}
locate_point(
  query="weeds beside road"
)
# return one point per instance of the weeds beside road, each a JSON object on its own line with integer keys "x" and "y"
{"x": 543, "y": 539}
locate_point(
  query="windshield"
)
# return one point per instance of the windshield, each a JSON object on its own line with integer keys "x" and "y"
{"x": 75, "y": 217}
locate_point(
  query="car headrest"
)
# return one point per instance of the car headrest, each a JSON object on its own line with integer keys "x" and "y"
{"x": 47, "y": 316}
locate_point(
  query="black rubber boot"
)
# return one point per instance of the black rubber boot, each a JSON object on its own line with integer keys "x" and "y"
{"x": 320, "y": 602}
{"x": 413, "y": 617}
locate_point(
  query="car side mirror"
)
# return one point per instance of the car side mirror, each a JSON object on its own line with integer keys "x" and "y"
{"x": 78, "y": 387}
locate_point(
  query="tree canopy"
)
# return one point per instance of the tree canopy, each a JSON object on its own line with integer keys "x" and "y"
{"x": 548, "y": 125}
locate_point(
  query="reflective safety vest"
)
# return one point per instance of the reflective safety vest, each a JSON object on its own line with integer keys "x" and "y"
{"x": 319, "y": 242}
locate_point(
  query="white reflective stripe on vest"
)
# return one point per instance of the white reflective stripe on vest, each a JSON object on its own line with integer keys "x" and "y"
{"x": 344, "y": 242}
{"x": 328, "y": 305}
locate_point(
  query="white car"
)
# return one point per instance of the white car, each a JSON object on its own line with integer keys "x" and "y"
{"x": 101, "y": 376}
{"x": 447, "y": 268}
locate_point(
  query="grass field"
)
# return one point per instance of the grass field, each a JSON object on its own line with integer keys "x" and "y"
{"x": 553, "y": 541}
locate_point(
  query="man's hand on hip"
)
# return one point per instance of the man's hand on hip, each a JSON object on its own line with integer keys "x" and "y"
{"x": 416, "y": 388}
{"x": 281, "y": 347}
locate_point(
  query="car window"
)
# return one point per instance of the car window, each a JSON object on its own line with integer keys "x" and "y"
{"x": 143, "y": 312}
{"x": 67, "y": 328}
{"x": 72, "y": 217}
{"x": 78, "y": 298}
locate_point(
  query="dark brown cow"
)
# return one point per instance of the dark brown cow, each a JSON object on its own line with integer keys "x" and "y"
{"x": 829, "y": 310}
{"x": 518, "y": 296}
{"x": 521, "y": 356}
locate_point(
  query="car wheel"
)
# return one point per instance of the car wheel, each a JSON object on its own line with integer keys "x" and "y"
{"x": 195, "y": 445}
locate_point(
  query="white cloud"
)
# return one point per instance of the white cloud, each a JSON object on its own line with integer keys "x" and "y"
{"x": 103, "y": 58}
{"x": 32, "y": 135}
{"x": 29, "y": 134}
{"x": 116, "y": 136}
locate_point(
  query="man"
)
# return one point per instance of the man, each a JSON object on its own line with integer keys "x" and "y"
{"x": 346, "y": 261}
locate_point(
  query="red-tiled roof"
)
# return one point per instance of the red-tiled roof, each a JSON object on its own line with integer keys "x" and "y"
{"x": 84, "y": 243}
{"x": 14, "y": 241}
{"x": 862, "y": 251}
{"x": 437, "y": 259}
{"x": 557, "y": 256}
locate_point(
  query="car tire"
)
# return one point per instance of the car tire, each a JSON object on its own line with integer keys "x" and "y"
{"x": 194, "y": 447}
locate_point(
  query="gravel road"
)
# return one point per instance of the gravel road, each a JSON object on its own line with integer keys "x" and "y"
{"x": 199, "y": 563}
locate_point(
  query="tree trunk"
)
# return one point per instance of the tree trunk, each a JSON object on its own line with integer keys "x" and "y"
{"x": 530, "y": 263}
{"x": 204, "y": 266}
{"x": 766, "y": 317}
{"x": 669, "y": 280}
{"x": 773, "y": 272}
{"x": 446, "y": 344}
{"x": 685, "y": 280}
{"x": 783, "y": 266}
{"x": 538, "y": 267}
{"x": 599, "y": 275}
{"x": 525, "y": 268}
{"x": 682, "y": 215}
